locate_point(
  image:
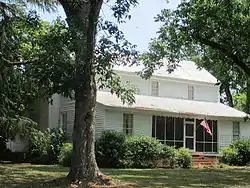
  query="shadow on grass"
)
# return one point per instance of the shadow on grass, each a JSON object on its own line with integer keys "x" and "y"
{"x": 26, "y": 175}
{"x": 45, "y": 168}
{"x": 183, "y": 177}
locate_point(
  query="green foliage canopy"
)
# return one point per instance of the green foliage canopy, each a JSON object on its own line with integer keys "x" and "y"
{"x": 209, "y": 29}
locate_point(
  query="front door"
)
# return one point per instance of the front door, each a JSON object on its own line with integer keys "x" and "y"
{"x": 189, "y": 129}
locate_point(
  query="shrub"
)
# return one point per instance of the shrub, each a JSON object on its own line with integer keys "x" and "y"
{"x": 169, "y": 154}
{"x": 184, "y": 158}
{"x": 141, "y": 151}
{"x": 44, "y": 147}
{"x": 114, "y": 149}
{"x": 57, "y": 138}
{"x": 237, "y": 153}
{"x": 243, "y": 150}
{"x": 229, "y": 155}
{"x": 64, "y": 157}
{"x": 110, "y": 148}
{"x": 39, "y": 143}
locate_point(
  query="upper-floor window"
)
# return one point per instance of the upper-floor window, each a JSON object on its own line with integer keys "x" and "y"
{"x": 155, "y": 88}
{"x": 128, "y": 124}
{"x": 236, "y": 130}
{"x": 190, "y": 92}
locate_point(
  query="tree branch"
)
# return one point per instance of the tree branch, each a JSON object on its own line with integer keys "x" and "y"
{"x": 226, "y": 51}
{"x": 6, "y": 8}
{"x": 10, "y": 63}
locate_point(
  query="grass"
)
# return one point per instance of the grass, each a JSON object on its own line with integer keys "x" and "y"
{"x": 26, "y": 175}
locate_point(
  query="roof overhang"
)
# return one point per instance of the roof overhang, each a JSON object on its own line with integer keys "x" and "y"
{"x": 175, "y": 107}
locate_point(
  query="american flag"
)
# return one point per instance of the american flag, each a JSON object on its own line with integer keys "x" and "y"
{"x": 206, "y": 126}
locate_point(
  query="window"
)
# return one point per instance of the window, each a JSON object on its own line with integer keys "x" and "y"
{"x": 168, "y": 130}
{"x": 204, "y": 141}
{"x": 64, "y": 121}
{"x": 190, "y": 92}
{"x": 236, "y": 130}
{"x": 155, "y": 88}
{"x": 128, "y": 120}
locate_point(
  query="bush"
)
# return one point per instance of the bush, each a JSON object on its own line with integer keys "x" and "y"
{"x": 44, "y": 147}
{"x": 114, "y": 149}
{"x": 183, "y": 158}
{"x": 110, "y": 148}
{"x": 229, "y": 155}
{"x": 57, "y": 138}
{"x": 39, "y": 143}
{"x": 169, "y": 154}
{"x": 64, "y": 157}
{"x": 141, "y": 151}
{"x": 237, "y": 153}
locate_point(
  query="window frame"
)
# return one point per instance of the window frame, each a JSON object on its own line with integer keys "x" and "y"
{"x": 204, "y": 141}
{"x": 166, "y": 140}
{"x": 155, "y": 88}
{"x": 128, "y": 124}
{"x": 190, "y": 92}
{"x": 237, "y": 135}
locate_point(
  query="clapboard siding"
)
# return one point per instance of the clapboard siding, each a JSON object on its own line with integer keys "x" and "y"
{"x": 225, "y": 132}
{"x": 113, "y": 120}
{"x": 54, "y": 113}
{"x": 170, "y": 88}
{"x": 65, "y": 101}
{"x": 142, "y": 124}
{"x": 99, "y": 120}
{"x": 68, "y": 107}
{"x": 245, "y": 130}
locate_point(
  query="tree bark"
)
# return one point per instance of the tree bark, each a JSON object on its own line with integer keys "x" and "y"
{"x": 228, "y": 95}
{"x": 82, "y": 16}
{"x": 248, "y": 97}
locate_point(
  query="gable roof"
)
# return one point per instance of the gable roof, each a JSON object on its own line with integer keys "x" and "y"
{"x": 186, "y": 70}
{"x": 177, "y": 106}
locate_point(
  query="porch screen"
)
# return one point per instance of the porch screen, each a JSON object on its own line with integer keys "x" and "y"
{"x": 204, "y": 141}
{"x": 168, "y": 130}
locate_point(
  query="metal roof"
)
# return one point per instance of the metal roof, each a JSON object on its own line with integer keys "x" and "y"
{"x": 170, "y": 105}
{"x": 186, "y": 70}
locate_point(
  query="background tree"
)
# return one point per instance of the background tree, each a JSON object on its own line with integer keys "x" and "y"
{"x": 27, "y": 71}
{"x": 230, "y": 77}
{"x": 16, "y": 88}
{"x": 217, "y": 32}
{"x": 75, "y": 45}
{"x": 239, "y": 99}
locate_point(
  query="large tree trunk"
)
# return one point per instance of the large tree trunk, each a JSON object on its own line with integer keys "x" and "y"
{"x": 228, "y": 95}
{"x": 248, "y": 97}
{"x": 82, "y": 16}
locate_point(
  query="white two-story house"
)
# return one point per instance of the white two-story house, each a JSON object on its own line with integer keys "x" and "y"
{"x": 169, "y": 107}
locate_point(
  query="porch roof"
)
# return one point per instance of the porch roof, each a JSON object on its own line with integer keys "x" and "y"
{"x": 170, "y": 105}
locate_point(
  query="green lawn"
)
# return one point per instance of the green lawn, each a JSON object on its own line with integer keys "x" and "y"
{"x": 26, "y": 175}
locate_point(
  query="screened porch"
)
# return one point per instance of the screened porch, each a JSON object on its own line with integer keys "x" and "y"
{"x": 181, "y": 132}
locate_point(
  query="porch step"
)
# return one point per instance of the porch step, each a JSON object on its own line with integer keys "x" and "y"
{"x": 199, "y": 159}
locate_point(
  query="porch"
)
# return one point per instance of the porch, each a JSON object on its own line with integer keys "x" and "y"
{"x": 186, "y": 132}
{"x": 175, "y": 122}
